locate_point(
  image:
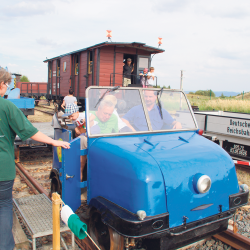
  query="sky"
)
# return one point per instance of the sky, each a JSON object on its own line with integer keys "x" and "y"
{"x": 209, "y": 40}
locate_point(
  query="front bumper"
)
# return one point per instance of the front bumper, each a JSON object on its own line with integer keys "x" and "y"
{"x": 155, "y": 230}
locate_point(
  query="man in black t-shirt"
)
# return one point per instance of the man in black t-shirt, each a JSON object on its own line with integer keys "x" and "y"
{"x": 127, "y": 71}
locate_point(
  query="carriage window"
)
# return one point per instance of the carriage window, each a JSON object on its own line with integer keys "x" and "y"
{"x": 90, "y": 63}
{"x": 76, "y": 65}
{"x": 143, "y": 62}
{"x": 64, "y": 66}
{"x": 58, "y": 68}
{"x": 50, "y": 72}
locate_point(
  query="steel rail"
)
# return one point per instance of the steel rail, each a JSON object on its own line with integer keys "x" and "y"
{"x": 44, "y": 111}
{"x": 242, "y": 167}
{"x": 23, "y": 178}
{"x": 45, "y": 107}
{"x": 32, "y": 180}
{"x": 232, "y": 239}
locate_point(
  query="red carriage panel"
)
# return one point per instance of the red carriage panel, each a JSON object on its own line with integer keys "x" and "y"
{"x": 83, "y": 73}
{"x": 65, "y": 70}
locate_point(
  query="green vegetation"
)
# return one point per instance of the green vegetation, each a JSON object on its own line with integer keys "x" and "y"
{"x": 244, "y": 97}
{"x": 24, "y": 79}
{"x": 222, "y": 96}
{"x": 233, "y": 104}
{"x": 208, "y": 92}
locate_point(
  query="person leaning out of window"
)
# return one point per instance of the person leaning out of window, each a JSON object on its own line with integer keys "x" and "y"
{"x": 128, "y": 69}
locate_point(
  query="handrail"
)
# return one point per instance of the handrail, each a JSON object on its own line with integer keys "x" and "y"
{"x": 136, "y": 78}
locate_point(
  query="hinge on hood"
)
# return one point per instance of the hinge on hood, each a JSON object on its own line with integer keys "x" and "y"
{"x": 185, "y": 218}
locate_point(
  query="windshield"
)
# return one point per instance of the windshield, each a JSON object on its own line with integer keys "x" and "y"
{"x": 136, "y": 110}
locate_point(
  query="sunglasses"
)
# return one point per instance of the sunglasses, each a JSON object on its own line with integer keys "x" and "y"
{"x": 8, "y": 86}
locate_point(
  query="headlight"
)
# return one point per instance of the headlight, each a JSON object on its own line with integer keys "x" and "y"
{"x": 203, "y": 184}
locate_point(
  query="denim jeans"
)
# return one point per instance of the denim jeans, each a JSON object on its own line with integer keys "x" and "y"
{"x": 6, "y": 216}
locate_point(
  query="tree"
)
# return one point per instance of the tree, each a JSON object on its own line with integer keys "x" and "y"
{"x": 191, "y": 93}
{"x": 222, "y": 96}
{"x": 24, "y": 79}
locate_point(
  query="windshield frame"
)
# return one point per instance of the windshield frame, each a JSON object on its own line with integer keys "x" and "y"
{"x": 150, "y": 130}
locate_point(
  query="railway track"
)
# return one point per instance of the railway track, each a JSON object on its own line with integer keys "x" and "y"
{"x": 243, "y": 167}
{"x": 46, "y": 111}
{"x": 235, "y": 240}
{"x": 34, "y": 172}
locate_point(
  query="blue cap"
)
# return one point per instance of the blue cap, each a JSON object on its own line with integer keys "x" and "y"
{"x": 71, "y": 108}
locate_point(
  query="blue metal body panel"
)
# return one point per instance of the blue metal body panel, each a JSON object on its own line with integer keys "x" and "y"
{"x": 63, "y": 135}
{"x": 68, "y": 162}
{"x": 126, "y": 175}
{"x": 24, "y": 103}
{"x": 71, "y": 187}
{"x": 155, "y": 173}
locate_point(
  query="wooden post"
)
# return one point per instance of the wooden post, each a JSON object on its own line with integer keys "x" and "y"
{"x": 56, "y": 202}
{"x": 17, "y": 153}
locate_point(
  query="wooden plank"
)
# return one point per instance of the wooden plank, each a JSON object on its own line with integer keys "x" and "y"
{"x": 103, "y": 63}
{"x": 20, "y": 238}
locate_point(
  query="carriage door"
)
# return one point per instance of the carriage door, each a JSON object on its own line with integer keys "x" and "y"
{"x": 142, "y": 63}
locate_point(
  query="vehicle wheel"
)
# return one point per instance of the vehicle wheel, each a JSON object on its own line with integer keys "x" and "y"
{"x": 105, "y": 237}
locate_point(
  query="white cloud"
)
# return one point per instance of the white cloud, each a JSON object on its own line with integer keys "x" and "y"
{"x": 171, "y": 5}
{"x": 12, "y": 65}
{"x": 46, "y": 42}
{"x": 27, "y": 8}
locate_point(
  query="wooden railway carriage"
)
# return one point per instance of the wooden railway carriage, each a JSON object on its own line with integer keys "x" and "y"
{"x": 98, "y": 65}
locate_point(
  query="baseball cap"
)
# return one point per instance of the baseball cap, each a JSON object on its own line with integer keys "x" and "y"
{"x": 71, "y": 108}
{"x": 129, "y": 60}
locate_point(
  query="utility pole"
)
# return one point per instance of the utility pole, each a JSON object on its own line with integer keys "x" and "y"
{"x": 181, "y": 85}
{"x": 181, "y": 88}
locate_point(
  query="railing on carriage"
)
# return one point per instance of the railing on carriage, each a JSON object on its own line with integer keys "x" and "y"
{"x": 33, "y": 88}
{"x": 117, "y": 79}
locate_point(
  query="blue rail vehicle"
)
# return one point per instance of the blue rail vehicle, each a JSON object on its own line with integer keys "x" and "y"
{"x": 13, "y": 94}
{"x": 151, "y": 180}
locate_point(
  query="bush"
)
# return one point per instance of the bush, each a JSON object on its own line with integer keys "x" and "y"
{"x": 205, "y": 92}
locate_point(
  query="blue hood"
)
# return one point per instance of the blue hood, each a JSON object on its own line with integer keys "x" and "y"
{"x": 180, "y": 157}
{"x": 155, "y": 173}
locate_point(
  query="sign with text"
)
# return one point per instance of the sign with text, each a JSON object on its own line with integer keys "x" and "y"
{"x": 229, "y": 126}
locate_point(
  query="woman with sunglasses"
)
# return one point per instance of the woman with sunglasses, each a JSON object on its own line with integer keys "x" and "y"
{"x": 12, "y": 122}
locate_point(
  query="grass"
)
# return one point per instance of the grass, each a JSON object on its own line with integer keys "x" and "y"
{"x": 246, "y": 96}
{"x": 233, "y": 104}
